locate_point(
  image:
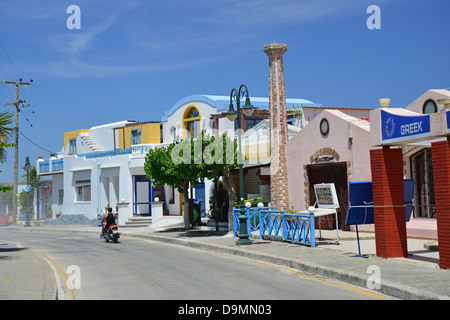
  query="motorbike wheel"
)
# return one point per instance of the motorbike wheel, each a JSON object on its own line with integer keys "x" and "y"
{"x": 115, "y": 237}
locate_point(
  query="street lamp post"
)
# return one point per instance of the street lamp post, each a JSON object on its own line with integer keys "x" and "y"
{"x": 232, "y": 115}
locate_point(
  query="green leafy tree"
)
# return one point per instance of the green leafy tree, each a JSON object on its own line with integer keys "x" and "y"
{"x": 219, "y": 156}
{"x": 185, "y": 163}
{"x": 26, "y": 203}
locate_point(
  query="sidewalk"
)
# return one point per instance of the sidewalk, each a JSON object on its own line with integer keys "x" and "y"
{"x": 415, "y": 277}
{"x": 24, "y": 274}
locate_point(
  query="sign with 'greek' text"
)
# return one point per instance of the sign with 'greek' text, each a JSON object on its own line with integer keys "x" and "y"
{"x": 396, "y": 127}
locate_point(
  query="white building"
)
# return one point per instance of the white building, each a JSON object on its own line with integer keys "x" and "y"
{"x": 104, "y": 165}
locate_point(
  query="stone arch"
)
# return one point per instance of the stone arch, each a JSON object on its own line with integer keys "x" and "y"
{"x": 321, "y": 155}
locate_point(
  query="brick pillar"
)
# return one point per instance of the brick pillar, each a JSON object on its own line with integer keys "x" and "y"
{"x": 440, "y": 152}
{"x": 388, "y": 198}
{"x": 279, "y": 195}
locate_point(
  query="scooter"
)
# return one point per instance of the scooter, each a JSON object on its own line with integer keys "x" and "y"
{"x": 112, "y": 234}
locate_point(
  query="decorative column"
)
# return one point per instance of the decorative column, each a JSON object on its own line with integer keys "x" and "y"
{"x": 440, "y": 152}
{"x": 388, "y": 201}
{"x": 279, "y": 196}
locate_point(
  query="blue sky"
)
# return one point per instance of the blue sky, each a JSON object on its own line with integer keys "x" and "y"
{"x": 132, "y": 60}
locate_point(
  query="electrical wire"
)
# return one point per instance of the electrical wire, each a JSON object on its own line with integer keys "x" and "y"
{"x": 10, "y": 60}
{"x": 35, "y": 143}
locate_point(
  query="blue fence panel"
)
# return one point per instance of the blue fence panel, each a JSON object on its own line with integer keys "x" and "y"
{"x": 295, "y": 228}
{"x": 299, "y": 228}
{"x": 253, "y": 222}
{"x": 271, "y": 223}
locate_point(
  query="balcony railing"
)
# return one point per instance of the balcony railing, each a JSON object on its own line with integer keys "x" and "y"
{"x": 51, "y": 166}
{"x": 136, "y": 151}
{"x": 140, "y": 150}
{"x": 102, "y": 154}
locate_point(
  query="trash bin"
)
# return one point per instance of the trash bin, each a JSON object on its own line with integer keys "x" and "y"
{"x": 197, "y": 210}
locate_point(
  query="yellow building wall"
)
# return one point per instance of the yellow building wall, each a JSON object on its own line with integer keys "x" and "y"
{"x": 150, "y": 133}
{"x": 256, "y": 151}
{"x": 72, "y": 135}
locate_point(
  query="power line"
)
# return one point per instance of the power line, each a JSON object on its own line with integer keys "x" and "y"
{"x": 10, "y": 60}
{"x": 35, "y": 143}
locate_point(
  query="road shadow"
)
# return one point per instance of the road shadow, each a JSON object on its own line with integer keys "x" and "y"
{"x": 193, "y": 233}
{"x": 7, "y": 247}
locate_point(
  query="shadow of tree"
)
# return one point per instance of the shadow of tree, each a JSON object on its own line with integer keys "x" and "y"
{"x": 191, "y": 233}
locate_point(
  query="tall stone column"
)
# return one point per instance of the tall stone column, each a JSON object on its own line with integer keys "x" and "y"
{"x": 279, "y": 195}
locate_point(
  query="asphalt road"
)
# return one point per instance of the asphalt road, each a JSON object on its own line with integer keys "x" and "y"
{"x": 90, "y": 269}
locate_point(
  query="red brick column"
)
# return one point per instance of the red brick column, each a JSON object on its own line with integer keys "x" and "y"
{"x": 388, "y": 201}
{"x": 440, "y": 152}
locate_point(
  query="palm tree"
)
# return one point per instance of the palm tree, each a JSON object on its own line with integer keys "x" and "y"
{"x": 6, "y": 118}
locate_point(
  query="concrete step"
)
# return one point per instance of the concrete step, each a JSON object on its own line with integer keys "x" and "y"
{"x": 137, "y": 221}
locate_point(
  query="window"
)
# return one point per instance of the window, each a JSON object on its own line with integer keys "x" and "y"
{"x": 422, "y": 173}
{"x": 61, "y": 196}
{"x": 83, "y": 190}
{"x": 429, "y": 107}
{"x": 73, "y": 146}
{"x": 193, "y": 127}
{"x": 324, "y": 127}
{"x": 191, "y": 122}
{"x": 291, "y": 121}
{"x": 173, "y": 133}
{"x": 136, "y": 136}
{"x": 249, "y": 123}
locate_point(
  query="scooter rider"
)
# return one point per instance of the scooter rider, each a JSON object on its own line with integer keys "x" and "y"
{"x": 110, "y": 219}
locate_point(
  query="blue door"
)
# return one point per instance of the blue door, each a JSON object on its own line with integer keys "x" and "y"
{"x": 142, "y": 196}
{"x": 200, "y": 195}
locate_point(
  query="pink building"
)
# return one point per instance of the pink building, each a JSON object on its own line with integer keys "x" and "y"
{"x": 335, "y": 147}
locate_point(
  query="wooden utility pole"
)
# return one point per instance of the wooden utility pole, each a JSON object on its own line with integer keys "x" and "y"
{"x": 17, "y": 85}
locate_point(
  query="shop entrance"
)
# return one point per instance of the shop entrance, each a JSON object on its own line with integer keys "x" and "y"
{"x": 336, "y": 173}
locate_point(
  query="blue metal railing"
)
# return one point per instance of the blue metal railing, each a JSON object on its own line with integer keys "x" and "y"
{"x": 253, "y": 215}
{"x": 299, "y": 228}
{"x": 295, "y": 228}
{"x": 271, "y": 223}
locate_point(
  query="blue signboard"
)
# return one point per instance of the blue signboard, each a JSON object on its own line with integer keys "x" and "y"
{"x": 396, "y": 127}
{"x": 447, "y": 113}
{"x": 360, "y": 202}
